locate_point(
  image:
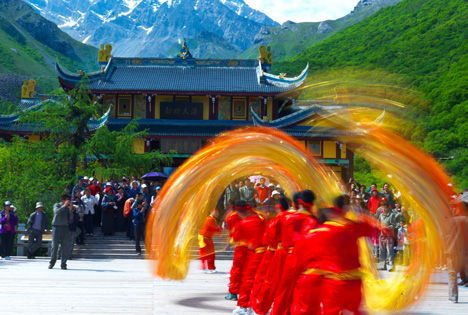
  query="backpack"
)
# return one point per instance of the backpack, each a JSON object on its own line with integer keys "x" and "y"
{"x": 128, "y": 207}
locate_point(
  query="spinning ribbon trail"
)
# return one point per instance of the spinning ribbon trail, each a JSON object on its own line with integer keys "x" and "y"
{"x": 194, "y": 189}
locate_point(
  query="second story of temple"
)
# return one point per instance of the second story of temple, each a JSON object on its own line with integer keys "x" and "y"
{"x": 187, "y": 88}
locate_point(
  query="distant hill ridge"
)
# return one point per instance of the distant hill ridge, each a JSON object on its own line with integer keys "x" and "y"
{"x": 29, "y": 46}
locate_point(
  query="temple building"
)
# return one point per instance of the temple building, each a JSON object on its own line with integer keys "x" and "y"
{"x": 183, "y": 102}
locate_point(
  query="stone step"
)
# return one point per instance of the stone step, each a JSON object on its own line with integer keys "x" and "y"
{"x": 132, "y": 255}
{"x": 119, "y": 246}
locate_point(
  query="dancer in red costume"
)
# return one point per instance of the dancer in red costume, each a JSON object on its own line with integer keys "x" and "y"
{"x": 205, "y": 241}
{"x": 262, "y": 296}
{"x": 249, "y": 230}
{"x": 294, "y": 228}
{"x": 239, "y": 255}
{"x": 301, "y": 222}
{"x": 315, "y": 275}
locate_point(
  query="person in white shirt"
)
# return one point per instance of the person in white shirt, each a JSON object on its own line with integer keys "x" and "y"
{"x": 89, "y": 201}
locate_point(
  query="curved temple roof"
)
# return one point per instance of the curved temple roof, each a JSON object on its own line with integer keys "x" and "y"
{"x": 12, "y": 123}
{"x": 154, "y": 75}
{"x": 279, "y": 81}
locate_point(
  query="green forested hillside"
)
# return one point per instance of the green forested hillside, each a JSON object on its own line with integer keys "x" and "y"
{"x": 290, "y": 38}
{"x": 29, "y": 46}
{"x": 422, "y": 43}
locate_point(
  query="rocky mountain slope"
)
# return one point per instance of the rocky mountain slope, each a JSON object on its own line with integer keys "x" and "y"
{"x": 29, "y": 46}
{"x": 151, "y": 27}
{"x": 291, "y": 38}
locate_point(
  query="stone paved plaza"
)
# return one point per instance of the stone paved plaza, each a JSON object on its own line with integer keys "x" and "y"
{"x": 126, "y": 287}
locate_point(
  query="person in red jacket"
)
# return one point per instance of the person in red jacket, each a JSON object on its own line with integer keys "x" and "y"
{"x": 262, "y": 296}
{"x": 262, "y": 193}
{"x": 240, "y": 251}
{"x": 322, "y": 275}
{"x": 205, "y": 241}
{"x": 374, "y": 201}
{"x": 250, "y": 231}
{"x": 294, "y": 228}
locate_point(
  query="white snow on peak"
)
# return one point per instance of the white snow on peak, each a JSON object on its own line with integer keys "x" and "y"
{"x": 39, "y": 9}
{"x": 86, "y": 39}
{"x": 147, "y": 30}
{"x": 132, "y": 4}
{"x": 105, "y": 18}
{"x": 231, "y": 4}
{"x": 69, "y": 23}
{"x": 171, "y": 3}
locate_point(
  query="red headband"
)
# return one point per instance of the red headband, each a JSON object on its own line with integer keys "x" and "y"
{"x": 243, "y": 209}
{"x": 305, "y": 204}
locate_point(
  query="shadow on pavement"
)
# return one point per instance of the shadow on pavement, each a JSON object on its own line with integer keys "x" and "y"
{"x": 206, "y": 303}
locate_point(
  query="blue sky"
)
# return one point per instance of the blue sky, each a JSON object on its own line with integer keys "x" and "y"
{"x": 303, "y": 10}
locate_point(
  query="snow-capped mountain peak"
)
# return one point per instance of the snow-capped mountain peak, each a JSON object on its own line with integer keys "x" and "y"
{"x": 151, "y": 27}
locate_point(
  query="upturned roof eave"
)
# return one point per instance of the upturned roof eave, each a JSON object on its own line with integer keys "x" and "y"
{"x": 70, "y": 80}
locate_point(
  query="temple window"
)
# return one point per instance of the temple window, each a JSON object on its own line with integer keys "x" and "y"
{"x": 239, "y": 108}
{"x": 124, "y": 108}
{"x": 315, "y": 147}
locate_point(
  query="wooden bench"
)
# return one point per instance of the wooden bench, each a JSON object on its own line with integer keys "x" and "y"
{"x": 23, "y": 242}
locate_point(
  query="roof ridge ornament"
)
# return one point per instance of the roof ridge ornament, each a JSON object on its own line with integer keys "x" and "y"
{"x": 27, "y": 90}
{"x": 266, "y": 57}
{"x": 184, "y": 52}
{"x": 104, "y": 54}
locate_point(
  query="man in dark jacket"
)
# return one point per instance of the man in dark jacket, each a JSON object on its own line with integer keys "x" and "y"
{"x": 387, "y": 193}
{"x": 37, "y": 225}
{"x": 63, "y": 216}
{"x": 139, "y": 223}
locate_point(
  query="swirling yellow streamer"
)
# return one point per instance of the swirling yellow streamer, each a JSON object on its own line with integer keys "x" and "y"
{"x": 195, "y": 187}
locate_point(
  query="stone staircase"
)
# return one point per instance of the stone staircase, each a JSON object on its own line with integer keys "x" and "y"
{"x": 119, "y": 246}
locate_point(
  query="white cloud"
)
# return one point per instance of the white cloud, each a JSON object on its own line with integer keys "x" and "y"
{"x": 303, "y": 10}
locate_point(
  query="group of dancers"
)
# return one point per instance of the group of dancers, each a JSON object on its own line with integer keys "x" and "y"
{"x": 303, "y": 261}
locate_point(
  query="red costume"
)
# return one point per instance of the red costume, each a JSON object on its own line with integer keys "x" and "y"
{"x": 324, "y": 268}
{"x": 205, "y": 241}
{"x": 263, "y": 291}
{"x": 240, "y": 253}
{"x": 250, "y": 231}
{"x": 294, "y": 228}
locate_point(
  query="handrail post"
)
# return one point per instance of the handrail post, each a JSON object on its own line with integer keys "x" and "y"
{"x": 19, "y": 249}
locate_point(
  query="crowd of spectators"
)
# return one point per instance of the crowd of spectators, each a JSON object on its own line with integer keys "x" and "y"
{"x": 103, "y": 205}
{"x": 255, "y": 194}
{"x": 92, "y": 205}
{"x": 391, "y": 244}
